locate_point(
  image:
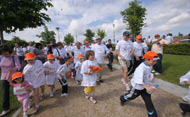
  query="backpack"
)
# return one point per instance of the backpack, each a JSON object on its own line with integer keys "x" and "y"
{"x": 13, "y": 58}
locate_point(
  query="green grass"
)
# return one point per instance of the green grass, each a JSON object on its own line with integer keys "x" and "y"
{"x": 14, "y": 104}
{"x": 174, "y": 66}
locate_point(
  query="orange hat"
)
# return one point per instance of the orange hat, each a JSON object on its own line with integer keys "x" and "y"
{"x": 138, "y": 36}
{"x": 129, "y": 38}
{"x": 80, "y": 56}
{"x": 17, "y": 75}
{"x": 50, "y": 56}
{"x": 85, "y": 41}
{"x": 29, "y": 55}
{"x": 156, "y": 34}
{"x": 151, "y": 55}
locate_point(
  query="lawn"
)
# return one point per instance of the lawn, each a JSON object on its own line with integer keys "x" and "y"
{"x": 13, "y": 102}
{"x": 174, "y": 66}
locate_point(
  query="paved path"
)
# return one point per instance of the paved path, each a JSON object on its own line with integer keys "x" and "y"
{"x": 107, "y": 95}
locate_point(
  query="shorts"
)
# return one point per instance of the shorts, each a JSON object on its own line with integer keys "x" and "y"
{"x": 124, "y": 62}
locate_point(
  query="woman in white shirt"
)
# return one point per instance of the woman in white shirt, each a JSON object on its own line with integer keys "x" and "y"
{"x": 59, "y": 53}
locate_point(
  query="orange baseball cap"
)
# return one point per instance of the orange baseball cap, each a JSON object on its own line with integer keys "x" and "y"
{"x": 129, "y": 38}
{"x": 80, "y": 56}
{"x": 151, "y": 55}
{"x": 17, "y": 75}
{"x": 85, "y": 41}
{"x": 71, "y": 59}
{"x": 29, "y": 55}
{"x": 50, "y": 56}
{"x": 156, "y": 35}
{"x": 138, "y": 36}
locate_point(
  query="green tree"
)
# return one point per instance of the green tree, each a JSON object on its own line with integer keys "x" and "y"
{"x": 68, "y": 38}
{"x": 134, "y": 16}
{"x": 101, "y": 33}
{"x": 46, "y": 36}
{"x": 15, "y": 40}
{"x": 89, "y": 35}
{"x": 180, "y": 34}
{"x": 21, "y": 14}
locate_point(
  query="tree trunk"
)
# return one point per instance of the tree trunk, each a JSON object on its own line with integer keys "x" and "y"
{"x": 1, "y": 35}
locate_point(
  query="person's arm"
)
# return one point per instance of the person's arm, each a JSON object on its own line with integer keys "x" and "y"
{"x": 107, "y": 51}
{"x": 187, "y": 82}
{"x": 117, "y": 51}
{"x": 8, "y": 75}
{"x": 148, "y": 88}
{"x": 155, "y": 41}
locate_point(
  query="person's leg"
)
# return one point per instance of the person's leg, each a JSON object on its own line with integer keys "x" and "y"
{"x": 133, "y": 93}
{"x": 6, "y": 98}
{"x": 36, "y": 96}
{"x": 159, "y": 63}
{"x": 42, "y": 89}
{"x": 130, "y": 67}
{"x": 125, "y": 72}
{"x": 149, "y": 105}
{"x": 92, "y": 90}
{"x": 25, "y": 103}
{"x": 109, "y": 58}
{"x": 100, "y": 74}
{"x": 111, "y": 61}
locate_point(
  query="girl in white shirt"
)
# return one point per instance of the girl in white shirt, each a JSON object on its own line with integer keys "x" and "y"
{"x": 34, "y": 74}
{"x": 79, "y": 76}
{"x": 89, "y": 76}
{"x": 50, "y": 70}
{"x": 59, "y": 53}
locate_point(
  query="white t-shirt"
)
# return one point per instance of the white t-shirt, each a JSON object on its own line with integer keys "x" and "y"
{"x": 34, "y": 74}
{"x": 19, "y": 51}
{"x": 77, "y": 52}
{"x": 88, "y": 80}
{"x": 63, "y": 70}
{"x": 141, "y": 76}
{"x": 61, "y": 51}
{"x": 45, "y": 50}
{"x": 138, "y": 49}
{"x": 184, "y": 78}
{"x": 99, "y": 51}
{"x": 30, "y": 48}
{"x": 78, "y": 66}
{"x": 124, "y": 48}
{"x": 86, "y": 49}
{"x": 169, "y": 38}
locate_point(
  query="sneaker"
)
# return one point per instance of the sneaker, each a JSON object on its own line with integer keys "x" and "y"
{"x": 64, "y": 94}
{"x": 122, "y": 100}
{"x": 92, "y": 100}
{"x": 153, "y": 71}
{"x": 35, "y": 110}
{"x": 123, "y": 81}
{"x": 51, "y": 95}
{"x": 186, "y": 99}
{"x": 86, "y": 96}
{"x": 127, "y": 87}
{"x": 101, "y": 81}
{"x": 25, "y": 114}
{"x": 41, "y": 96}
{"x": 4, "y": 112}
{"x": 98, "y": 82}
{"x": 157, "y": 73}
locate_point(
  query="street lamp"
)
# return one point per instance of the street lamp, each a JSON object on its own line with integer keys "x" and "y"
{"x": 58, "y": 33}
{"x": 113, "y": 33}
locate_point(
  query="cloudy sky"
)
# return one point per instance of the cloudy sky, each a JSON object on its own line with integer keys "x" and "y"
{"x": 75, "y": 16}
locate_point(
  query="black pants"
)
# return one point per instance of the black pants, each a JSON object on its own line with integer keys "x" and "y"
{"x": 5, "y": 91}
{"x": 134, "y": 93}
{"x": 135, "y": 65}
{"x": 64, "y": 85}
{"x": 158, "y": 66}
{"x": 110, "y": 58}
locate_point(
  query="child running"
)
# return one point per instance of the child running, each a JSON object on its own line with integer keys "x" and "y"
{"x": 79, "y": 76}
{"x": 141, "y": 85}
{"x": 89, "y": 76}
{"x": 50, "y": 71}
{"x": 34, "y": 74}
{"x": 185, "y": 80}
{"x": 21, "y": 90}
{"x": 63, "y": 73}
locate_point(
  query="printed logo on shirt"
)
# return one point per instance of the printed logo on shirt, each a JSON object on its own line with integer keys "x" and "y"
{"x": 19, "y": 90}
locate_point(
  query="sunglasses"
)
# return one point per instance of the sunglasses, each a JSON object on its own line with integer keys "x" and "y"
{"x": 30, "y": 60}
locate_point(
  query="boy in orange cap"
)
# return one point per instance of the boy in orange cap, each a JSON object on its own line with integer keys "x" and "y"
{"x": 141, "y": 84}
{"x": 34, "y": 74}
{"x": 21, "y": 89}
{"x": 50, "y": 71}
{"x": 79, "y": 76}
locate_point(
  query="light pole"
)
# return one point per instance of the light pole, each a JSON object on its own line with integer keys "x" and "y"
{"x": 58, "y": 33}
{"x": 113, "y": 33}
{"x": 76, "y": 38}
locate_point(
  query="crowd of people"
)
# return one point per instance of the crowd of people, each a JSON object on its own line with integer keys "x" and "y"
{"x": 34, "y": 66}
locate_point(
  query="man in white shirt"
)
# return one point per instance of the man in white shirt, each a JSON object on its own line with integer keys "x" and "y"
{"x": 169, "y": 38}
{"x": 30, "y": 48}
{"x": 86, "y": 46}
{"x": 100, "y": 50}
{"x": 149, "y": 40}
{"x": 125, "y": 50}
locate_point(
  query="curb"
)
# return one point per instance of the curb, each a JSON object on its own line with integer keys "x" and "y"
{"x": 164, "y": 85}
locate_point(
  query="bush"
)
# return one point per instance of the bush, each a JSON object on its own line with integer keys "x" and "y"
{"x": 177, "y": 49}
